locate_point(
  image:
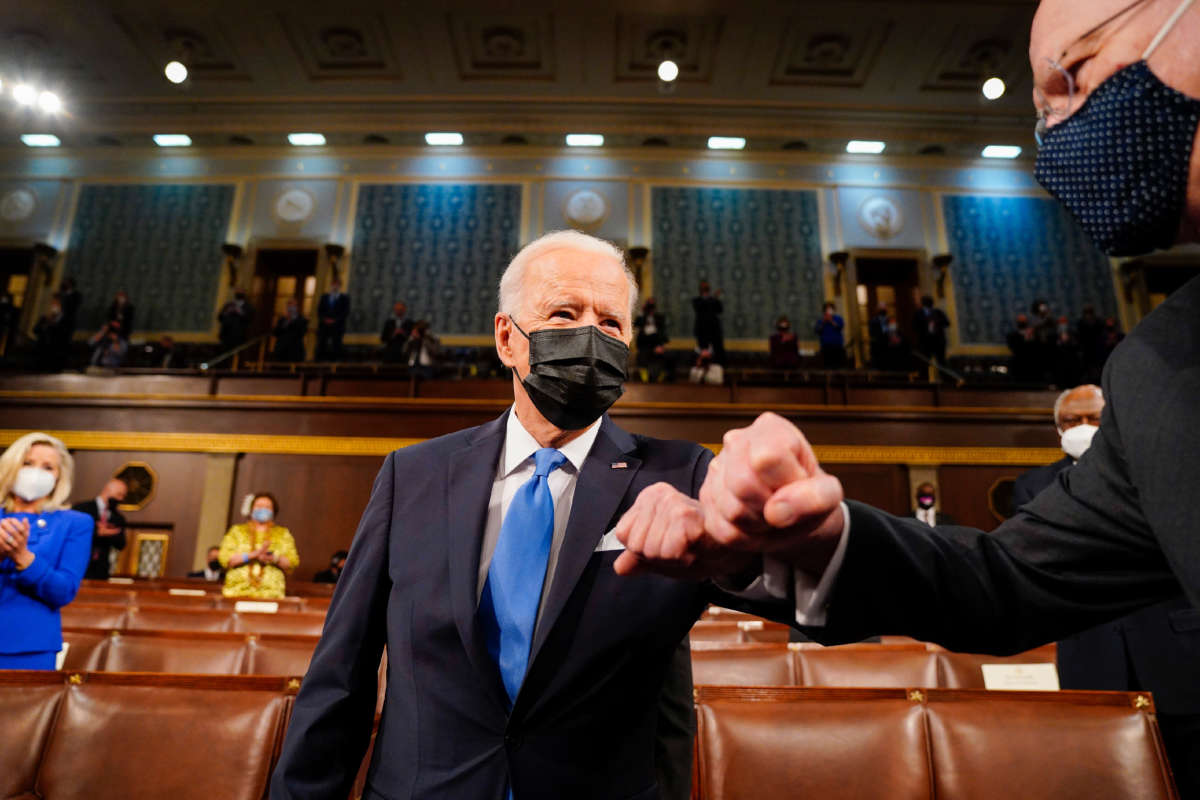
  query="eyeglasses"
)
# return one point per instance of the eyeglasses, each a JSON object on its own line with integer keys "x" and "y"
{"x": 1063, "y": 81}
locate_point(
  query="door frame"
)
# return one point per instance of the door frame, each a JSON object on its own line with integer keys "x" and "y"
{"x": 850, "y": 287}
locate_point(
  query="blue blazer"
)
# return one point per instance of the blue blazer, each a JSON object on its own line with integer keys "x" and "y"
{"x": 30, "y": 600}
{"x": 583, "y": 724}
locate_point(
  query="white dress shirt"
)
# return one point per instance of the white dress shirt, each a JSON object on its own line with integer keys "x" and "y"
{"x": 516, "y": 466}
{"x": 926, "y": 515}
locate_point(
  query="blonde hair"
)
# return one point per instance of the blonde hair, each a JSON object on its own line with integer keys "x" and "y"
{"x": 511, "y": 282}
{"x": 14, "y": 458}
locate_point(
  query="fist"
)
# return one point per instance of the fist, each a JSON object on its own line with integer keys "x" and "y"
{"x": 664, "y": 532}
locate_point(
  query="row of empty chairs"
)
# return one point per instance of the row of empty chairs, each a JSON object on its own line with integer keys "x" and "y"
{"x": 113, "y": 616}
{"x": 297, "y": 588}
{"x": 189, "y": 598}
{"x": 119, "y": 735}
{"x": 848, "y": 665}
{"x": 189, "y": 652}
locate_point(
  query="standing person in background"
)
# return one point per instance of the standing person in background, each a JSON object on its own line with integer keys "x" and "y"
{"x": 1023, "y": 365}
{"x": 1088, "y": 331}
{"x": 43, "y": 550}
{"x": 829, "y": 332}
{"x": 332, "y": 312}
{"x": 651, "y": 327}
{"x": 1045, "y": 331}
{"x": 235, "y": 319}
{"x": 877, "y": 328}
{"x": 1068, "y": 360}
{"x": 929, "y": 328}
{"x": 289, "y": 332}
{"x": 710, "y": 335}
{"x": 109, "y": 523}
{"x": 784, "y": 346}
{"x": 258, "y": 554}
{"x": 70, "y": 299}
{"x": 8, "y": 322}
{"x": 121, "y": 312}
{"x": 421, "y": 350}
{"x": 394, "y": 336}
{"x": 52, "y": 338}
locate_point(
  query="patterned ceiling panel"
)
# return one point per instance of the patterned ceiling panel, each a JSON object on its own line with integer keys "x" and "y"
{"x": 967, "y": 57}
{"x": 503, "y": 46}
{"x": 643, "y": 42}
{"x": 346, "y": 46}
{"x": 25, "y": 50}
{"x": 815, "y": 52}
{"x": 199, "y": 42}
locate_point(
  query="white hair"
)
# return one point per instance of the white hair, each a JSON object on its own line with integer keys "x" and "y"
{"x": 1062, "y": 398}
{"x": 512, "y": 281}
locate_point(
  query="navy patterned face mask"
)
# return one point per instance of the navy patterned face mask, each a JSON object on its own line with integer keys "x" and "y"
{"x": 1120, "y": 163}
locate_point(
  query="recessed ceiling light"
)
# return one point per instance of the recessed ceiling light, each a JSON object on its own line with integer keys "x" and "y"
{"x": 40, "y": 140}
{"x": 726, "y": 143}
{"x": 445, "y": 138}
{"x": 25, "y": 94}
{"x": 585, "y": 140}
{"x": 862, "y": 146}
{"x": 176, "y": 72}
{"x": 668, "y": 71}
{"x": 1001, "y": 151}
{"x": 306, "y": 139}
{"x": 49, "y": 102}
{"x": 993, "y": 88}
{"x": 172, "y": 140}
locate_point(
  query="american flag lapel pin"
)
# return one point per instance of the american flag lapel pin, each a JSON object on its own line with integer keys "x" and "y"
{"x": 619, "y": 465}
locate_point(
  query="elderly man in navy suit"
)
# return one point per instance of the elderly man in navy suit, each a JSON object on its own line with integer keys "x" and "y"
{"x": 519, "y": 664}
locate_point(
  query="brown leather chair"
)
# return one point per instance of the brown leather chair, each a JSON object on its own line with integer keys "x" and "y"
{"x": 166, "y": 598}
{"x": 187, "y": 652}
{"x": 29, "y": 703}
{"x": 965, "y": 670}
{"x": 88, "y": 649}
{"x": 106, "y": 616}
{"x": 278, "y": 654}
{"x": 715, "y": 631}
{"x": 167, "y": 618}
{"x": 867, "y": 665}
{"x": 916, "y": 743}
{"x": 121, "y": 736}
{"x": 733, "y": 664}
{"x": 104, "y": 594}
{"x": 302, "y": 623}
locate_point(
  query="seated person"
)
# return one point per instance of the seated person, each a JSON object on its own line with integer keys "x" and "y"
{"x": 258, "y": 554}
{"x": 705, "y": 370}
{"x": 336, "y": 562}
{"x": 212, "y": 572}
{"x": 785, "y": 352}
{"x": 109, "y": 345}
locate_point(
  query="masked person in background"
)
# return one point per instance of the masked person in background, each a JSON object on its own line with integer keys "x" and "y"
{"x": 259, "y": 554}
{"x": 1117, "y": 90}
{"x": 519, "y": 665}
{"x": 926, "y": 510}
{"x": 44, "y": 548}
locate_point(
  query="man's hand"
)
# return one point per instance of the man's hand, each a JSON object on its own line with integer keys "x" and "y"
{"x": 664, "y": 532}
{"x": 107, "y": 529}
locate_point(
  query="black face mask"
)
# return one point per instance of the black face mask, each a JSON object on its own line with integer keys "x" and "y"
{"x": 575, "y": 374}
{"x": 214, "y": 565}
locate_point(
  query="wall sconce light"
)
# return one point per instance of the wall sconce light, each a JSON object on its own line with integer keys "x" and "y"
{"x": 232, "y": 253}
{"x": 839, "y": 261}
{"x": 941, "y": 268}
{"x": 334, "y": 252}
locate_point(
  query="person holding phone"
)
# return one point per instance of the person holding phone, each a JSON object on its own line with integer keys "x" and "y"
{"x": 258, "y": 554}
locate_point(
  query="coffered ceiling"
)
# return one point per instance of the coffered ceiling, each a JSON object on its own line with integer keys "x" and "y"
{"x": 807, "y": 73}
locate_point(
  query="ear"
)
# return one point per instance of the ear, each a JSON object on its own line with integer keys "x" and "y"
{"x": 504, "y": 331}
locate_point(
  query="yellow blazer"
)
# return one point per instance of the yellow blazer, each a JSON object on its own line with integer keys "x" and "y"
{"x": 254, "y": 579}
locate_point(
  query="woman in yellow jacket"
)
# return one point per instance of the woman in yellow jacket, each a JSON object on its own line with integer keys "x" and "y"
{"x": 258, "y": 554}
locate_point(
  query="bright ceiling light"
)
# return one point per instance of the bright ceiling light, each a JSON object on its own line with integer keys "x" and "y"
{"x": 40, "y": 140}
{"x": 306, "y": 139}
{"x": 175, "y": 71}
{"x": 860, "y": 146}
{"x": 668, "y": 71}
{"x": 25, "y": 94}
{"x": 445, "y": 138}
{"x": 49, "y": 102}
{"x": 584, "y": 140}
{"x": 726, "y": 143}
{"x": 172, "y": 140}
{"x": 1001, "y": 151}
{"x": 993, "y": 88}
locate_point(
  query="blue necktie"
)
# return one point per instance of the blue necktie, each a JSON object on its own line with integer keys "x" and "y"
{"x": 509, "y": 603}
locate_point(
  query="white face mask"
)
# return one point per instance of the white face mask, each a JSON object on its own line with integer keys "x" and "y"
{"x": 33, "y": 483}
{"x": 1077, "y": 440}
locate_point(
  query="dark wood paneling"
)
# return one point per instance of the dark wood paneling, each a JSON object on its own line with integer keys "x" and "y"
{"x": 964, "y": 491}
{"x": 320, "y": 497}
{"x": 767, "y": 397}
{"x": 261, "y": 384}
{"x": 176, "y": 499}
{"x": 884, "y": 486}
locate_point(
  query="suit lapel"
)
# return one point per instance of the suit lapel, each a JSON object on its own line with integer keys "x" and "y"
{"x": 598, "y": 494}
{"x": 468, "y": 489}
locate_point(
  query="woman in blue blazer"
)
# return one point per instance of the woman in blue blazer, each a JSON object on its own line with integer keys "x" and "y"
{"x": 44, "y": 548}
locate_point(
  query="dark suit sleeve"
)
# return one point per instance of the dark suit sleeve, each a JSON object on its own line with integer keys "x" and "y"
{"x": 334, "y": 711}
{"x": 1024, "y": 489}
{"x": 1080, "y": 553}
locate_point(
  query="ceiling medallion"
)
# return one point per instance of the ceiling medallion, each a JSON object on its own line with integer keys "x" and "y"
{"x": 585, "y": 209}
{"x": 880, "y": 217}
